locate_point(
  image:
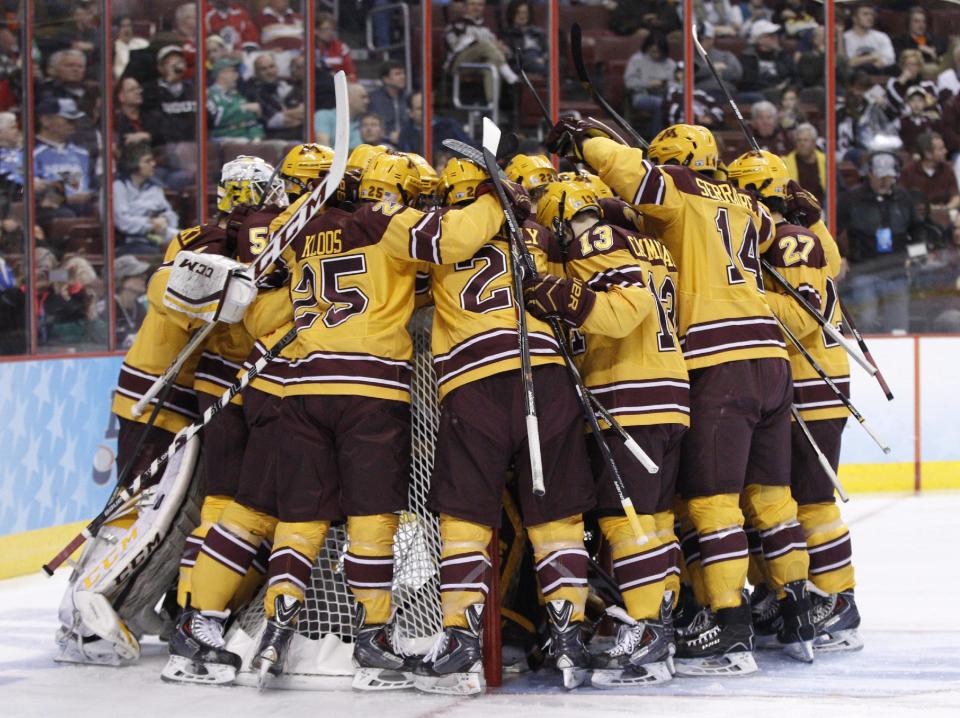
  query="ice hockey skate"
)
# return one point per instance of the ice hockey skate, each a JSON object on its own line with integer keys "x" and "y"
{"x": 379, "y": 666}
{"x": 836, "y": 620}
{"x": 454, "y": 665}
{"x": 717, "y": 644}
{"x": 276, "y": 639}
{"x": 566, "y": 650}
{"x": 765, "y": 610}
{"x": 796, "y": 631}
{"x": 639, "y": 656}
{"x": 197, "y": 650}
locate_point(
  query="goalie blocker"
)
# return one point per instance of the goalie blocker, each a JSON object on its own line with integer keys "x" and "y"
{"x": 210, "y": 287}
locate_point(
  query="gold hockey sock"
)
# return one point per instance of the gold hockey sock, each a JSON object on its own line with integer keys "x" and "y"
{"x": 641, "y": 570}
{"x": 464, "y": 567}
{"x": 369, "y": 563}
{"x": 691, "y": 572}
{"x": 772, "y": 510}
{"x": 723, "y": 547}
{"x": 828, "y": 543}
{"x": 665, "y": 522}
{"x": 296, "y": 546}
{"x": 255, "y": 576}
{"x": 210, "y": 512}
{"x": 561, "y": 561}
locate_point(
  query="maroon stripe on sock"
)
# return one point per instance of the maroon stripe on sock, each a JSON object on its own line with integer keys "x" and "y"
{"x": 191, "y": 549}
{"x": 753, "y": 541}
{"x": 465, "y": 572}
{"x": 690, "y": 547}
{"x": 262, "y": 559}
{"x": 780, "y": 542}
{"x": 643, "y": 567}
{"x": 288, "y": 564}
{"x": 831, "y": 555}
{"x": 228, "y": 550}
{"x": 560, "y": 569}
{"x": 368, "y": 571}
{"x": 728, "y": 544}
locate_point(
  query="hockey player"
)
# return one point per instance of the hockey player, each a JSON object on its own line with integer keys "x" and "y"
{"x": 632, "y": 362}
{"x": 476, "y": 356}
{"x": 809, "y": 261}
{"x": 740, "y": 387}
{"x": 534, "y": 172}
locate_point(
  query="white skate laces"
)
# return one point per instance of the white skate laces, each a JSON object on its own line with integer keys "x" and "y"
{"x": 629, "y": 633}
{"x": 439, "y": 646}
{"x": 208, "y": 628}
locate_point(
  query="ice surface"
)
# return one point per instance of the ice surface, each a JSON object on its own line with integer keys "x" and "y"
{"x": 908, "y": 580}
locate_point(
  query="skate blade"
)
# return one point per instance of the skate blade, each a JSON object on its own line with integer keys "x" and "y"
{"x": 671, "y": 665}
{"x": 263, "y": 673}
{"x": 737, "y": 663}
{"x": 453, "y": 684}
{"x": 800, "y": 651}
{"x": 574, "y": 677}
{"x": 381, "y": 679}
{"x": 184, "y": 670}
{"x": 848, "y": 640}
{"x": 766, "y": 642}
{"x": 646, "y": 675}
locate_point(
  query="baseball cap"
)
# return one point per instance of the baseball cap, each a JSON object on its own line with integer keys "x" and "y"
{"x": 63, "y": 106}
{"x": 762, "y": 27}
{"x": 883, "y": 165}
{"x": 916, "y": 90}
{"x": 129, "y": 266}
{"x": 168, "y": 50}
{"x": 223, "y": 63}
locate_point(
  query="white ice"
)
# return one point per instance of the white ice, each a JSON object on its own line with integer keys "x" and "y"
{"x": 908, "y": 583}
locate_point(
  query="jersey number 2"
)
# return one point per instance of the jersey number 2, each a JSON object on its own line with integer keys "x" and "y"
{"x": 345, "y": 302}
{"x": 493, "y": 264}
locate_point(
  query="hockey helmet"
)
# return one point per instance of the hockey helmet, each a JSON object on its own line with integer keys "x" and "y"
{"x": 429, "y": 179}
{"x": 692, "y": 146}
{"x": 390, "y": 176}
{"x": 564, "y": 200}
{"x": 762, "y": 171}
{"x": 534, "y": 172}
{"x": 598, "y": 185}
{"x": 362, "y": 154}
{"x": 303, "y": 164}
{"x": 459, "y": 180}
{"x": 249, "y": 181}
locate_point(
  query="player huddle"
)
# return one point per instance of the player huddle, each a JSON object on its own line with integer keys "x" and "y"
{"x": 648, "y": 272}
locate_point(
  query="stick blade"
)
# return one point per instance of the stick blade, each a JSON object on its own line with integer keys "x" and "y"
{"x": 491, "y": 136}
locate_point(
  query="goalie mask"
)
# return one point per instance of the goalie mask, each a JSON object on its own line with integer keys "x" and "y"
{"x": 390, "y": 176}
{"x": 763, "y": 172}
{"x": 305, "y": 164}
{"x": 250, "y": 182}
{"x": 534, "y": 172}
{"x": 562, "y": 201}
{"x": 692, "y": 146}
{"x": 459, "y": 180}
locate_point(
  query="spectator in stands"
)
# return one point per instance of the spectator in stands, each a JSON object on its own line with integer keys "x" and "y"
{"x": 56, "y": 159}
{"x": 524, "y": 37}
{"x": 866, "y": 48}
{"x": 125, "y": 43}
{"x": 937, "y": 284}
{"x": 11, "y": 150}
{"x": 753, "y": 11}
{"x": 643, "y": 17}
{"x": 66, "y": 311}
{"x": 229, "y": 115}
{"x": 470, "y": 41}
{"x": 797, "y": 21}
{"x": 646, "y": 78}
{"x": 83, "y": 291}
{"x": 170, "y": 102}
{"x": 216, "y": 49}
{"x": 278, "y": 12}
{"x": 948, "y": 81}
{"x": 770, "y": 135}
{"x": 918, "y": 37}
{"x": 332, "y": 52}
{"x": 920, "y": 116}
{"x": 726, "y": 63}
{"x": 722, "y": 16}
{"x": 811, "y": 64}
{"x": 911, "y": 71}
{"x": 185, "y": 35}
{"x": 65, "y": 72}
{"x": 372, "y": 131}
{"x": 325, "y": 121}
{"x": 130, "y": 299}
{"x": 806, "y": 164}
{"x": 411, "y": 136}
{"x": 128, "y": 120}
{"x": 232, "y": 22}
{"x": 932, "y": 174}
{"x": 10, "y": 72}
{"x": 281, "y": 32}
{"x": 877, "y": 219}
{"x": 707, "y": 111}
{"x": 145, "y": 222}
{"x": 389, "y": 100}
{"x": 282, "y": 113}
{"x": 51, "y": 204}
{"x": 767, "y": 68}
{"x": 82, "y": 33}
{"x": 790, "y": 114}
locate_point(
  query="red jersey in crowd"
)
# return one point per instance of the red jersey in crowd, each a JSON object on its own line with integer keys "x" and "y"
{"x": 234, "y": 25}
{"x": 336, "y": 56}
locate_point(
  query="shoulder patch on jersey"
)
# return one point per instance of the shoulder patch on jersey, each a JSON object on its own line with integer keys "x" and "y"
{"x": 795, "y": 246}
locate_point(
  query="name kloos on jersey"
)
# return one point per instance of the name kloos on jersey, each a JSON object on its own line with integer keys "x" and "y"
{"x": 327, "y": 242}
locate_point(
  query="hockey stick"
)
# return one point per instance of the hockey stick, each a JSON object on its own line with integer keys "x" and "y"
{"x": 526, "y": 81}
{"x": 125, "y": 495}
{"x": 576, "y": 50}
{"x": 631, "y": 444}
{"x": 824, "y": 463}
{"x": 833, "y": 387}
{"x": 491, "y": 140}
{"x": 827, "y": 327}
{"x": 279, "y": 240}
{"x": 848, "y": 320}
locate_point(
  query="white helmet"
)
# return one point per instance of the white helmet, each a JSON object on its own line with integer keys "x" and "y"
{"x": 249, "y": 181}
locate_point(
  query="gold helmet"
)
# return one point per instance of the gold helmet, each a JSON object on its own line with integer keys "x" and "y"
{"x": 532, "y": 171}
{"x": 692, "y": 146}
{"x": 249, "y": 181}
{"x": 599, "y": 186}
{"x": 763, "y": 171}
{"x": 390, "y": 176}
{"x": 459, "y": 180}
{"x": 564, "y": 200}
{"x": 429, "y": 179}
{"x": 303, "y": 164}
{"x": 362, "y": 154}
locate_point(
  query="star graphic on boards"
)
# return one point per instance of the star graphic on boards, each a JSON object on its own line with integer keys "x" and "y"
{"x": 68, "y": 460}
{"x": 31, "y": 460}
{"x": 55, "y": 425}
{"x": 18, "y": 422}
{"x": 44, "y": 495}
{"x": 78, "y": 392}
{"x": 42, "y": 390}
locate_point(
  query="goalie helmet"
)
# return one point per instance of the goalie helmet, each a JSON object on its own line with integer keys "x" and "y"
{"x": 459, "y": 180}
{"x": 303, "y": 164}
{"x": 562, "y": 201}
{"x": 390, "y": 176}
{"x": 692, "y": 146}
{"x": 762, "y": 171}
{"x": 249, "y": 181}
{"x": 361, "y": 156}
{"x": 534, "y": 172}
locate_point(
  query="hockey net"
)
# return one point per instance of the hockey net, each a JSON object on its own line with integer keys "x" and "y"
{"x": 322, "y": 647}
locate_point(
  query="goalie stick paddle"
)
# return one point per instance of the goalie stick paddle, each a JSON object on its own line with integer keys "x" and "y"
{"x": 576, "y": 50}
{"x": 279, "y": 240}
{"x": 824, "y": 463}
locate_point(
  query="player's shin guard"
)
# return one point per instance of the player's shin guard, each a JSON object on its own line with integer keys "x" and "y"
{"x": 828, "y": 543}
{"x": 464, "y": 568}
{"x": 296, "y": 546}
{"x": 666, "y": 535}
{"x": 773, "y": 511}
{"x": 226, "y": 555}
{"x": 641, "y": 570}
{"x": 210, "y": 513}
{"x": 723, "y": 547}
{"x": 369, "y": 563}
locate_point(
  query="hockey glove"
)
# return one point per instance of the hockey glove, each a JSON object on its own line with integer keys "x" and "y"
{"x": 568, "y": 135}
{"x": 348, "y": 191}
{"x": 802, "y": 207}
{"x": 517, "y": 195}
{"x": 566, "y": 299}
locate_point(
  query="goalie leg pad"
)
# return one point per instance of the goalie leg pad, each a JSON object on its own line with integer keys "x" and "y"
{"x": 723, "y": 547}
{"x": 369, "y": 563}
{"x": 295, "y": 550}
{"x": 464, "y": 567}
{"x": 561, "y": 562}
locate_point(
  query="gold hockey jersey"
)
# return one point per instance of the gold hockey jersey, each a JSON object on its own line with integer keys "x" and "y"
{"x": 632, "y": 360}
{"x": 162, "y": 335}
{"x": 715, "y": 233}
{"x": 475, "y": 316}
{"x": 800, "y": 256}
{"x": 352, "y": 287}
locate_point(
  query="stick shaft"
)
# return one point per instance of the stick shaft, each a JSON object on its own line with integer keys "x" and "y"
{"x": 848, "y": 320}
{"x": 824, "y": 463}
